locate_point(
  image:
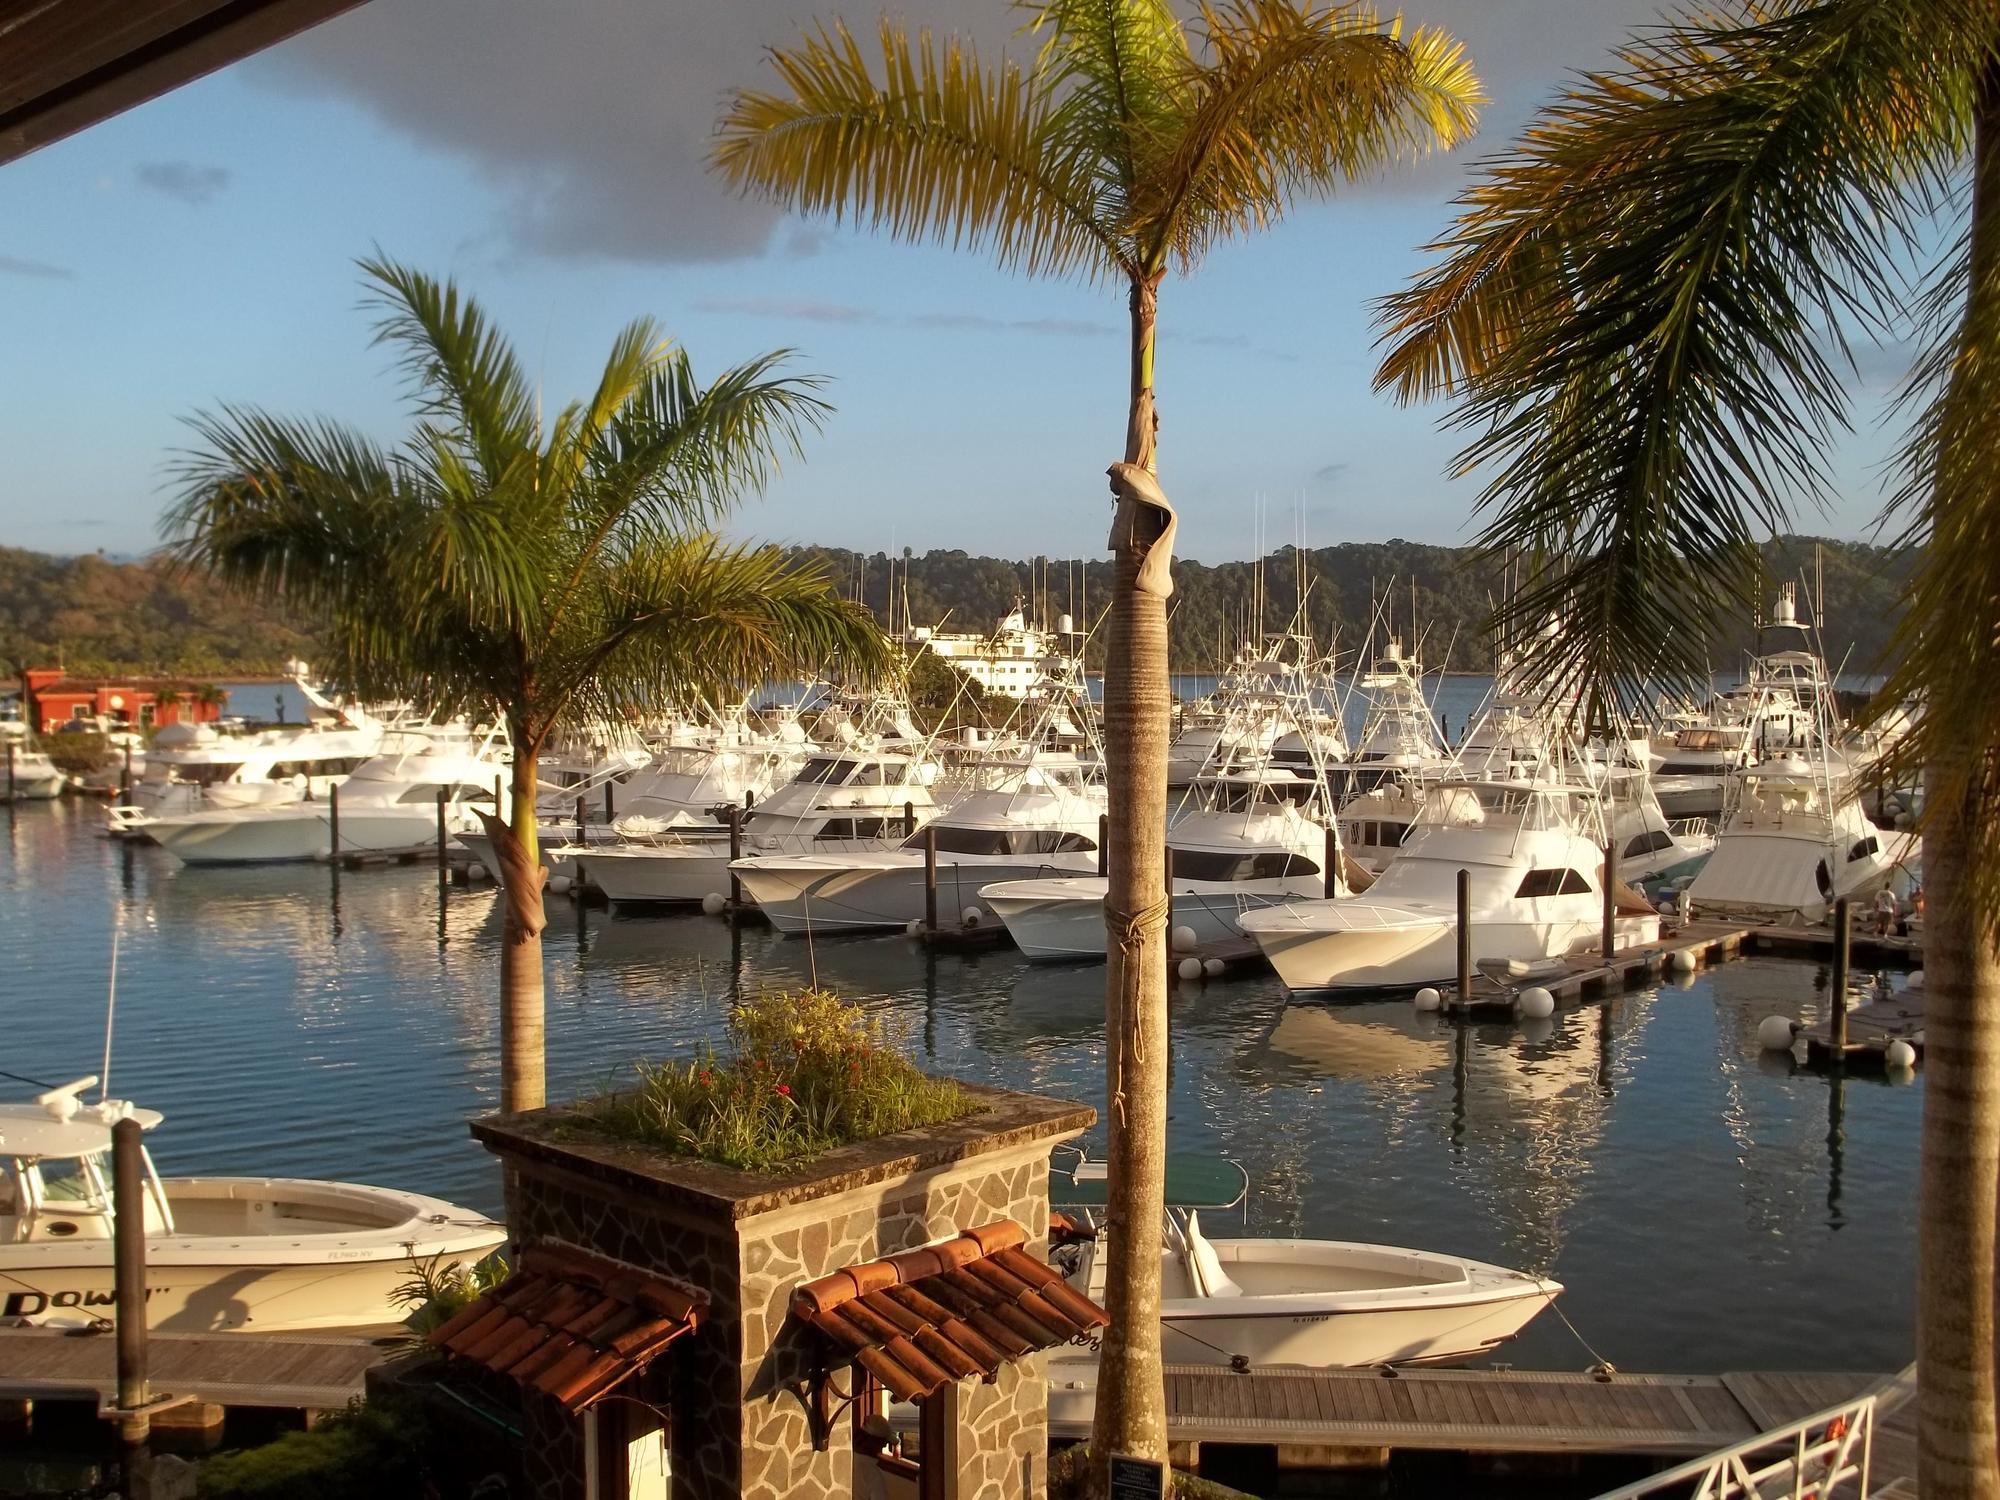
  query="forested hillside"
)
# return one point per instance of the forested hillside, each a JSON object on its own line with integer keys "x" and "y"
{"x": 1212, "y": 606}
{"x": 92, "y": 614}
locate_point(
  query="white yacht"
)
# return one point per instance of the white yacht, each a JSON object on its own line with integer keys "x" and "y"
{"x": 1040, "y": 815}
{"x": 1255, "y": 1302}
{"x": 858, "y": 799}
{"x": 1399, "y": 739}
{"x": 1797, "y": 840}
{"x": 1007, "y": 662}
{"x": 190, "y": 766}
{"x": 34, "y": 777}
{"x": 1535, "y": 867}
{"x": 223, "y": 1254}
{"x": 387, "y": 806}
{"x": 1255, "y": 836}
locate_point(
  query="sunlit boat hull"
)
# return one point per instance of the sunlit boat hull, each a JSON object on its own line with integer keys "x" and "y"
{"x": 290, "y": 834}
{"x": 807, "y": 894}
{"x": 1063, "y": 918}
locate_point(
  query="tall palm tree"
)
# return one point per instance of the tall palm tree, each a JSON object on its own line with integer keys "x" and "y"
{"x": 1132, "y": 144}
{"x": 1645, "y": 312}
{"x": 546, "y": 571}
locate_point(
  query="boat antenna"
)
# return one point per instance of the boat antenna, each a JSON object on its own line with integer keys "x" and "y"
{"x": 110, "y": 1008}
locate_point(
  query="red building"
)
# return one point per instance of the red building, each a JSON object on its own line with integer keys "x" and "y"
{"x": 54, "y": 698}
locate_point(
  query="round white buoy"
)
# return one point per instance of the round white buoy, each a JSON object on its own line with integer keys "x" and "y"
{"x": 1535, "y": 1002}
{"x": 972, "y": 916}
{"x": 475, "y": 871}
{"x": 1667, "y": 908}
{"x": 1900, "y": 1054}
{"x": 914, "y": 927}
{"x": 1212, "y": 967}
{"x": 1190, "y": 968}
{"x": 560, "y": 884}
{"x": 715, "y": 903}
{"x": 1185, "y": 939}
{"x": 1776, "y": 1033}
{"x": 322, "y": 856}
{"x": 1428, "y": 999}
{"x": 1683, "y": 961}
{"x": 1915, "y": 981}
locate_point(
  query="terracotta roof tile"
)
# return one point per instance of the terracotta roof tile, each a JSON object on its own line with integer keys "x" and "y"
{"x": 572, "y": 1324}
{"x": 922, "y": 1319}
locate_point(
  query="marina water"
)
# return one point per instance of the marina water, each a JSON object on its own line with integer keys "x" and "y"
{"x": 1709, "y": 1209}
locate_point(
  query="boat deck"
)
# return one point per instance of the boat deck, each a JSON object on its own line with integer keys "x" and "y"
{"x": 308, "y": 1371}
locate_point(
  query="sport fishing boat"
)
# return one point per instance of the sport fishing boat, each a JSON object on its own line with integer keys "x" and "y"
{"x": 1256, "y": 835}
{"x": 1536, "y": 870}
{"x": 223, "y": 1254}
{"x": 1040, "y": 816}
{"x": 387, "y": 806}
{"x": 1254, "y": 1302}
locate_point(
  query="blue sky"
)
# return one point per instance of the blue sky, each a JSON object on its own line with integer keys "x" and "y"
{"x": 200, "y": 249}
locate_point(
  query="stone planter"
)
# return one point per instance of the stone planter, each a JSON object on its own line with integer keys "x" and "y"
{"x": 740, "y": 1390}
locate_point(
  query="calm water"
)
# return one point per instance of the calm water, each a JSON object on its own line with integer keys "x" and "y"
{"x": 1704, "y": 1207}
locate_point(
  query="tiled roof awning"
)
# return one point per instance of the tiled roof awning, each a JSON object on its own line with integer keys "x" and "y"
{"x": 571, "y": 1324}
{"x": 920, "y": 1320}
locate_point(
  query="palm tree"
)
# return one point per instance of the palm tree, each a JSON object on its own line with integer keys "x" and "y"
{"x": 549, "y": 572}
{"x": 209, "y": 695}
{"x": 166, "y": 699}
{"x": 1644, "y": 312}
{"x": 1129, "y": 147}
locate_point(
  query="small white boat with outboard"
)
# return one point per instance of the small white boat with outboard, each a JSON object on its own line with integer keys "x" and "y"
{"x": 1254, "y": 1302}
{"x": 223, "y": 1254}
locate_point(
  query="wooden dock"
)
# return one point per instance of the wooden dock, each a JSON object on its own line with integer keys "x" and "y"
{"x": 1871, "y": 1027}
{"x": 306, "y": 1371}
{"x": 1586, "y": 976}
{"x": 1472, "y": 1411}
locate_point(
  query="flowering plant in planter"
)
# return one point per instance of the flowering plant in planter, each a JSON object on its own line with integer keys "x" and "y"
{"x": 805, "y": 1073}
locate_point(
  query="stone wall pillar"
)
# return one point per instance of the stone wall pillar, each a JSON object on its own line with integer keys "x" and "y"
{"x": 740, "y": 1387}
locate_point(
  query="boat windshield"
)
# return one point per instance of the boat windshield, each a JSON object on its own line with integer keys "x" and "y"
{"x": 1709, "y": 739}
{"x": 1234, "y": 864}
{"x": 1009, "y": 841}
{"x": 827, "y": 770}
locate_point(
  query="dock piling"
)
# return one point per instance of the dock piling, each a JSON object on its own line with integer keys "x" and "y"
{"x": 128, "y": 1246}
{"x": 444, "y": 844}
{"x": 1330, "y": 872}
{"x": 333, "y": 821}
{"x": 1610, "y": 899}
{"x": 12, "y": 796}
{"x": 1465, "y": 937}
{"x": 735, "y": 853}
{"x": 125, "y": 777}
{"x": 1103, "y": 837}
{"x": 1843, "y": 935}
{"x": 909, "y": 818}
{"x": 930, "y": 877}
{"x": 610, "y": 806}
{"x": 582, "y": 833}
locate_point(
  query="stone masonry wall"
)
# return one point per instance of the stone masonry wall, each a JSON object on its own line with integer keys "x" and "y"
{"x": 740, "y": 1424}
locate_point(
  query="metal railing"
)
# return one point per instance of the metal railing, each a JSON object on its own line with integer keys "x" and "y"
{"x": 1820, "y": 1457}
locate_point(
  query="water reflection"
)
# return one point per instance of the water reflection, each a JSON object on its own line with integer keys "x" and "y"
{"x": 1639, "y": 1150}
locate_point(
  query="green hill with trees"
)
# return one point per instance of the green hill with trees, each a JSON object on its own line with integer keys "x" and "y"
{"x": 93, "y": 614}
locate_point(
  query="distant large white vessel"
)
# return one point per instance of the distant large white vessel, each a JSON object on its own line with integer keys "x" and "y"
{"x": 1009, "y": 661}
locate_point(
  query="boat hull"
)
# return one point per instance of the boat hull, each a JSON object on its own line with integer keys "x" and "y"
{"x": 1404, "y": 954}
{"x": 292, "y": 834}
{"x": 1053, "y": 921}
{"x": 811, "y": 895}
{"x": 657, "y": 877}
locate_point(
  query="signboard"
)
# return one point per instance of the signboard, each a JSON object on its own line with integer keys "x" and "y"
{"x": 1135, "y": 1478}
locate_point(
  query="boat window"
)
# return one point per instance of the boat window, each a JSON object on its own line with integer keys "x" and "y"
{"x": 1552, "y": 883}
{"x": 1012, "y": 841}
{"x": 1646, "y": 843}
{"x": 853, "y": 828}
{"x": 870, "y": 774}
{"x": 1863, "y": 848}
{"x": 826, "y": 770}
{"x": 1212, "y": 864}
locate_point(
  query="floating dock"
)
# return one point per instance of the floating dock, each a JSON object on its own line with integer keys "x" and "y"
{"x": 300, "y": 1371}
{"x": 1322, "y": 1418}
{"x": 1871, "y": 1027}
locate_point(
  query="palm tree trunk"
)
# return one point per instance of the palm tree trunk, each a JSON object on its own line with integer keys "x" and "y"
{"x": 1131, "y": 1412}
{"x": 1961, "y": 1132}
{"x": 522, "y": 1082}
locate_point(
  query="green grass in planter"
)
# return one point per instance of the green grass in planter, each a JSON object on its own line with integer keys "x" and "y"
{"x": 805, "y": 1074}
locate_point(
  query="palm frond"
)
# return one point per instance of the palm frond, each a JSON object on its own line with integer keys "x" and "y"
{"x": 1643, "y": 309}
{"x": 1294, "y": 100}
{"x": 636, "y": 356}
{"x": 941, "y": 150}
{"x": 462, "y": 370}
{"x": 1122, "y": 72}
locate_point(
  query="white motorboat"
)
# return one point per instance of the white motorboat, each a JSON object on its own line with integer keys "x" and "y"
{"x": 223, "y": 1254}
{"x": 1326, "y": 1304}
{"x": 1797, "y": 841}
{"x": 1535, "y": 877}
{"x": 32, "y": 775}
{"x": 389, "y": 805}
{"x": 1039, "y": 818}
{"x": 860, "y": 799}
{"x": 1256, "y": 836}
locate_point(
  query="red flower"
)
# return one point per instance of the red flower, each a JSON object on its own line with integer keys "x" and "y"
{"x": 784, "y": 1088}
